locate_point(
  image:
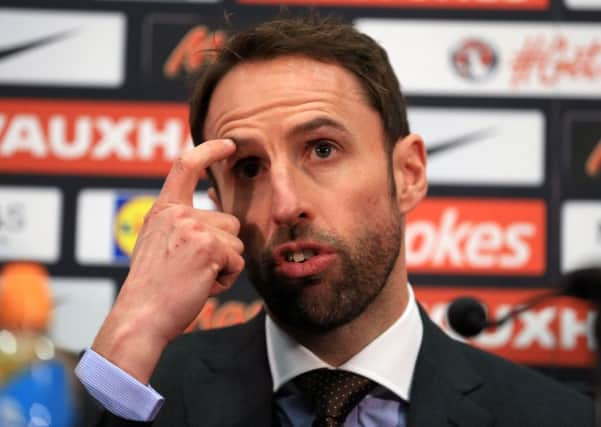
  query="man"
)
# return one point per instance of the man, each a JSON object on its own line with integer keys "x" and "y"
{"x": 313, "y": 169}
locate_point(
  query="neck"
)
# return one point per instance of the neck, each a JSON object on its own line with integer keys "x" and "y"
{"x": 337, "y": 346}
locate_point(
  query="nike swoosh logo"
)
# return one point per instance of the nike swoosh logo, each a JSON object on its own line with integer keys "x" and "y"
{"x": 460, "y": 141}
{"x": 14, "y": 50}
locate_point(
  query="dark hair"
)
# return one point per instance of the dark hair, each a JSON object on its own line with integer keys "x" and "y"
{"x": 323, "y": 39}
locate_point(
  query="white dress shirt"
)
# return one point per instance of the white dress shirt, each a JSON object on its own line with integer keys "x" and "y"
{"x": 389, "y": 360}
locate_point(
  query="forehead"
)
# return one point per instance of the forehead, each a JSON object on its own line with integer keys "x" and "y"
{"x": 283, "y": 84}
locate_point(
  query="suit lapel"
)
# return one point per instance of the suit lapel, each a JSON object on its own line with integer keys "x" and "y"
{"x": 253, "y": 385}
{"x": 442, "y": 383}
{"x": 240, "y": 386}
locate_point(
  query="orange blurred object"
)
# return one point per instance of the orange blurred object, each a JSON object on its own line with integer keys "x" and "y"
{"x": 25, "y": 300}
{"x": 593, "y": 163}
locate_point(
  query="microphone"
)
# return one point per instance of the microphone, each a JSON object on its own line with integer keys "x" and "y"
{"x": 584, "y": 283}
{"x": 467, "y": 315}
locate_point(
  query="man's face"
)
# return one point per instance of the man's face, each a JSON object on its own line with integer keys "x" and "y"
{"x": 310, "y": 183}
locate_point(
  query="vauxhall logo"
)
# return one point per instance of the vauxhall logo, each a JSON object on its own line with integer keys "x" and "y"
{"x": 87, "y": 137}
{"x": 99, "y": 137}
{"x": 549, "y": 328}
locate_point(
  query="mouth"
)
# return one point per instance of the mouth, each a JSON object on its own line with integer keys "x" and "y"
{"x": 301, "y": 259}
{"x": 299, "y": 256}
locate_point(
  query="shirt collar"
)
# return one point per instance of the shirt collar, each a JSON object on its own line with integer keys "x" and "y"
{"x": 388, "y": 360}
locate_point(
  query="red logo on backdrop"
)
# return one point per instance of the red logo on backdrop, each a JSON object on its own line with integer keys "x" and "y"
{"x": 593, "y": 161}
{"x": 483, "y": 236}
{"x": 474, "y": 59}
{"x": 559, "y": 332}
{"x": 216, "y": 315}
{"x": 549, "y": 62}
{"x": 439, "y": 4}
{"x": 196, "y": 49}
{"x": 84, "y": 137}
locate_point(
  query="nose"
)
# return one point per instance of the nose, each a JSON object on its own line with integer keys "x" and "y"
{"x": 289, "y": 205}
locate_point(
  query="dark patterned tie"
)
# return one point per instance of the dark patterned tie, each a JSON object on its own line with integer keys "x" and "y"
{"x": 334, "y": 394}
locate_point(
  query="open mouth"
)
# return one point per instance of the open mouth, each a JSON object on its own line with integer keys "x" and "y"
{"x": 303, "y": 258}
{"x": 299, "y": 256}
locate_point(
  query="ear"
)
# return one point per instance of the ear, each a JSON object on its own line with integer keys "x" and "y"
{"x": 215, "y": 198}
{"x": 409, "y": 171}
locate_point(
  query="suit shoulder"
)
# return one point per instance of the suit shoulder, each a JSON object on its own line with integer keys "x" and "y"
{"x": 198, "y": 352}
{"x": 527, "y": 394}
{"x": 214, "y": 339}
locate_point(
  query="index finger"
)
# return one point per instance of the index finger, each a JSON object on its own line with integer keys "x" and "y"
{"x": 187, "y": 169}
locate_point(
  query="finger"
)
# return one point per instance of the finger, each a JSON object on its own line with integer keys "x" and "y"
{"x": 176, "y": 215}
{"x": 190, "y": 230}
{"x": 223, "y": 221}
{"x": 181, "y": 181}
{"x": 229, "y": 240}
{"x": 228, "y": 275}
{"x": 221, "y": 225}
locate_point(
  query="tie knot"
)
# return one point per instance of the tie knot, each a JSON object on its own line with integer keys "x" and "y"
{"x": 334, "y": 393}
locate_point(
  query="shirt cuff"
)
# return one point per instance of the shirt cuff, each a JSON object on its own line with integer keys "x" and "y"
{"x": 116, "y": 390}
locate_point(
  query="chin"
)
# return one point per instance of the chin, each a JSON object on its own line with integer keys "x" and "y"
{"x": 320, "y": 305}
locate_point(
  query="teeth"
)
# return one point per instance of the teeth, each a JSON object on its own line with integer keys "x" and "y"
{"x": 308, "y": 253}
{"x": 300, "y": 256}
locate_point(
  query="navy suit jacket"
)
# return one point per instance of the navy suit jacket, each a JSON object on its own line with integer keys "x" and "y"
{"x": 221, "y": 378}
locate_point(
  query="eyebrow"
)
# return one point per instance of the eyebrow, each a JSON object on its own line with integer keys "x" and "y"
{"x": 297, "y": 130}
{"x": 315, "y": 124}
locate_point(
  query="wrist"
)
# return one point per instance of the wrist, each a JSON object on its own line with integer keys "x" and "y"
{"x": 130, "y": 346}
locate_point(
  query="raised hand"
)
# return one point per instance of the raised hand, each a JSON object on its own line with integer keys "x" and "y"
{"x": 182, "y": 256}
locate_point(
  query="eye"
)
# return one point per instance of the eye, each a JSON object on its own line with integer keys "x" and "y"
{"x": 248, "y": 167}
{"x": 323, "y": 149}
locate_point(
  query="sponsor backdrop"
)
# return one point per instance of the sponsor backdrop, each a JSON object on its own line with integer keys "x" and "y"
{"x": 507, "y": 94}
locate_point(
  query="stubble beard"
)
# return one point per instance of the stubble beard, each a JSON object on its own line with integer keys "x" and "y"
{"x": 362, "y": 270}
